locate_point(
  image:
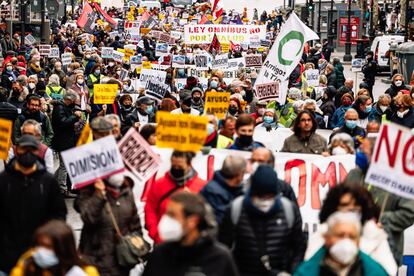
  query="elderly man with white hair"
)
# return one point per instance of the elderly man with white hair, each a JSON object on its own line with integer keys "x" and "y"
{"x": 340, "y": 254}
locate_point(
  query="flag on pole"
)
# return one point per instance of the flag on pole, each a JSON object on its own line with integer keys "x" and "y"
{"x": 86, "y": 17}
{"x": 109, "y": 19}
{"x": 215, "y": 46}
{"x": 203, "y": 19}
{"x": 234, "y": 47}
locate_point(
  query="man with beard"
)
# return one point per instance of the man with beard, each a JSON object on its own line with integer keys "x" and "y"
{"x": 16, "y": 97}
{"x": 32, "y": 111}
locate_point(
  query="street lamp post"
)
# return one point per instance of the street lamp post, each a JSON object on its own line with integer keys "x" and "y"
{"x": 319, "y": 18}
{"x": 348, "y": 56}
{"x": 407, "y": 19}
{"x": 330, "y": 20}
{"x": 42, "y": 21}
{"x": 22, "y": 19}
{"x": 371, "y": 22}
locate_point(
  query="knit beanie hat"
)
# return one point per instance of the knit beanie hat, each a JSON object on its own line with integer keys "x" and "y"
{"x": 264, "y": 181}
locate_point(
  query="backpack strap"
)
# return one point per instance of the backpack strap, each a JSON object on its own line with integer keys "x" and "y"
{"x": 288, "y": 210}
{"x": 235, "y": 209}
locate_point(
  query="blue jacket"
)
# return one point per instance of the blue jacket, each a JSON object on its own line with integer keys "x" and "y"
{"x": 219, "y": 194}
{"x": 338, "y": 118}
{"x": 312, "y": 266}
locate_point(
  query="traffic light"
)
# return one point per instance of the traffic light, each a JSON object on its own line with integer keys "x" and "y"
{"x": 311, "y": 6}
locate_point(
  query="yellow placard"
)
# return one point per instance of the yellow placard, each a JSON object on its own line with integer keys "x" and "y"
{"x": 131, "y": 17}
{"x": 121, "y": 50}
{"x": 145, "y": 31}
{"x": 182, "y": 132}
{"x": 104, "y": 93}
{"x": 85, "y": 136}
{"x": 217, "y": 103}
{"x": 138, "y": 70}
{"x": 243, "y": 105}
{"x": 5, "y": 138}
{"x": 146, "y": 65}
{"x": 225, "y": 47}
{"x": 129, "y": 52}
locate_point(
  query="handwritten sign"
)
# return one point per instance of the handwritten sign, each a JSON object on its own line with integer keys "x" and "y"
{"x": 104, "y": 93}
{"x": 217, "y": 103}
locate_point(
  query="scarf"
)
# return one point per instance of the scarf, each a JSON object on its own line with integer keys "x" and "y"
{"x": 180, "y": 181}
{"x": 35, "y": 68}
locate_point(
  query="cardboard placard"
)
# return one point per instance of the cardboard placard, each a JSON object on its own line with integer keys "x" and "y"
{"x": 267, "y": 91}
{"x": 217, "y": 103}
{"x": 104, "y": 93}
{"x": 253, "y": 60}
{"x": 5, "y": 138}
{"x": 156, "y": 90}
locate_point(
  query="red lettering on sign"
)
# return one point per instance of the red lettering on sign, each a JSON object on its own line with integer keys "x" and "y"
{"x": 342, "y": 173}
{"x": 319, "y": 178}
{"x": 300, "y": 164}
{"x": 405, "y": 159}
{"x": 384, "y": 137}
{"x": 210, "y": 167}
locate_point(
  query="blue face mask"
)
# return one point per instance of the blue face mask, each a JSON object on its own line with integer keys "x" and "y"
{"x": 368, "y": 108}
{"x": 213, "y": 84}
{"x": 351, "y": 124}
{"x": 45, "y": 258}
{"x": 210, "y": 129}
{"x": 268, "y": 119}
{"x": 150, "y": 109}
{"x": 97, "y": 72}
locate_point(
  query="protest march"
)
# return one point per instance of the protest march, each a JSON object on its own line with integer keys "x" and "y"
{"x": 184, "y": 138}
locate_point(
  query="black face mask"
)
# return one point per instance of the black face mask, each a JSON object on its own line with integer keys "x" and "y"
{"x": 127, "y": 107}
{"x": 232, "y": 110}
{"x": 196, "y": 99}
{"x": 16, "y": 92}
{"x": 186, "y": 109}
{"x": 245, "y": 140}
{"x": 27, "y": 159}
{"x": 177, "y": 173}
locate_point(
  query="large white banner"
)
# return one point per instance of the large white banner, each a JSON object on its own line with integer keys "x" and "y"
{"x": 392, "y": 162}
{"x": 286, "y": 51}
{"x": 311, "y": 176}
{"x": 203, "y": 34}
{"x": 87, "y": 163}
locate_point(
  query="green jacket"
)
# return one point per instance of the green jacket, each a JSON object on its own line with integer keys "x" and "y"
{"x": 43, "y": 119}
{"x": 312, "y": 266}
{"x": 398, "y": 212}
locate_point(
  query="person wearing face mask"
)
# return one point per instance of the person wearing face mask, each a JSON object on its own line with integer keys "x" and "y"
{"x": 338, "y": 118}
{"x": 32, "y": 186}
{"x": 351, "y": 127}
{"x": 225, "y": 186}
{"x": 235, "y": 108}
{"x": 31, "y": 84}
{"x": 80, "y": 87}
{"x": 260, "y": 108}
{"x": 181, "y": 176}
{"x": 263, "y": 228}
{"x": 53, "y": 89}
{"x": 57, "y": 69}
{"x": 397, "y": 85}
{"x": 34, "y": 68}
{"x": 98, "y": 237}
{"x": 214, "y": 139}
{"x": 189, "y": 247}
{"x": 270, "y": 121}
{"x": 340, "y": 254}
{"x": 32, "y": 111}
{"x": 363, "y": 105}
{"x": 9, "y": 76}
{"x": 341, "y": 143}
{"x": 142, "y": 114}
{"x": 64, "y": 117}
{"x": 197, "y": 101}
{"x": 404, "y": 114}
{"x": 94, "y": 77}
{"x": 244, "y": 130}
{"x": 54, "y": 253}
{"x": 125, "y": 102}
{"x": 185, "y": 105}
{"x": 214, "y": 84}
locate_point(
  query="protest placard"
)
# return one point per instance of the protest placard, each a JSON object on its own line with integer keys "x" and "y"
{"x": 90, "y": 162}
{"x": 44, "y": 49}
{"x": 356, "y": 64}
{"x": 229, "y": 74}
{"x": 392, "y": 162}
{"x": 129, "y": 53}
{"x": 107, "y": 52}
{"x": 161, "y": 49}
{"x": 180, "y": 83}
{"x": 5, "y": 138}
{"x": 146, "y": 65}
{"x": 54, "y": 53}
{"x": 118, "y": 56}
{"x": 267, "y": 91}
{"x": 178, "y": 61}
{"x": 225, "y": 47}
{"x": 164, "y": 37}
{"x": 201, "y": 62}
{"x": 104, "y": 93}
{"x": 236, "y": 63}
{"x": 182, "y": 132}
{"x": 176, "y": 34}
{"x": 253, "y": 60}
{"x": 217, "y": 103}
{"x": 156, "y": 90}
{"x": 29, "y": 39}
{"x": 312, "y": 77}
{"x": 136, "y": 59}
{"x": 66, "y": 59}
{"x": 203, "y": 34}
{"x": 150, "y": 74}
{"x": 137, "y": 154}
{"x": 156, "y": 34}
{"x": 220, "y": 61}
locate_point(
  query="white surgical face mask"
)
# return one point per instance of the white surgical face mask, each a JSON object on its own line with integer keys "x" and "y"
{"x": 383, "y": 107}
{"x": 45, "y": 257}
{"x": 170, "y": 229}
{"x": 80, "y": 81}
{"x": 401, "y": 114}
{"x": 398, "y": 83}
{"x": 116, "y": 179}
{"x": 344, "y": 251}
{"x": 339, "y": 151}
{"x": 263, "y": 205}
{"x": 32, "y": 85}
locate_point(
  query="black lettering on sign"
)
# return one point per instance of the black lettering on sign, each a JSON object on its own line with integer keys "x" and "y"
{"x": 267, "y": 91}
{"x": 200, "y": 61}
{"x": 93, "y": 162}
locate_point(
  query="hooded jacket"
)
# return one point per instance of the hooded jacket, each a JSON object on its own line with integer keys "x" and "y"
{"x": 63, "y": 123}
{"x": 26, "y": 202}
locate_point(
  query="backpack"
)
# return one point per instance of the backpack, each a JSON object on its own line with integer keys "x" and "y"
{"x": 237, "y": 204}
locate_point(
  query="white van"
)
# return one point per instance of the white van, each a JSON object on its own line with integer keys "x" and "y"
{"x": 150, "y": 4}
{"x": 380, "y": 46}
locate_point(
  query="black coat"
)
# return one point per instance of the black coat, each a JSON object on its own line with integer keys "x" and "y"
{"x": 63, "y": 124}
{"x": 257, "y": 232}
{"x": 370, "y": 71}
{"x": 205, "y": 257}
{"x": 407, "y": 120}
{"x": 26, "y": 202}
{"x": 133, "y": 118}
{"x": 393, "y": 90}
{"x": 8, "y": 111}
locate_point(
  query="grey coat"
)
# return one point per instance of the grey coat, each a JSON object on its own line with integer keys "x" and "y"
{"x": 315, "y": 144}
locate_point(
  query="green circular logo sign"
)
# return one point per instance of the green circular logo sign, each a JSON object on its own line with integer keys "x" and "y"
{"x": 290, "y": 36}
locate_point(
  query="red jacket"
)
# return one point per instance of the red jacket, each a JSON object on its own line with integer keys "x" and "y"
{"x": 154, "y": 209}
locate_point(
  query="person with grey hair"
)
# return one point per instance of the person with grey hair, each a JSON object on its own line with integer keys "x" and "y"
{"x": 340, "y": 254}
{"x": 341, "y": 143}
{"x": 53, "y": 89}
{"x": 65, "y": 117}
{"x": 116, "y": 123}
{"x": 382, "y": 108}
{"x": 225, "y": 185}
